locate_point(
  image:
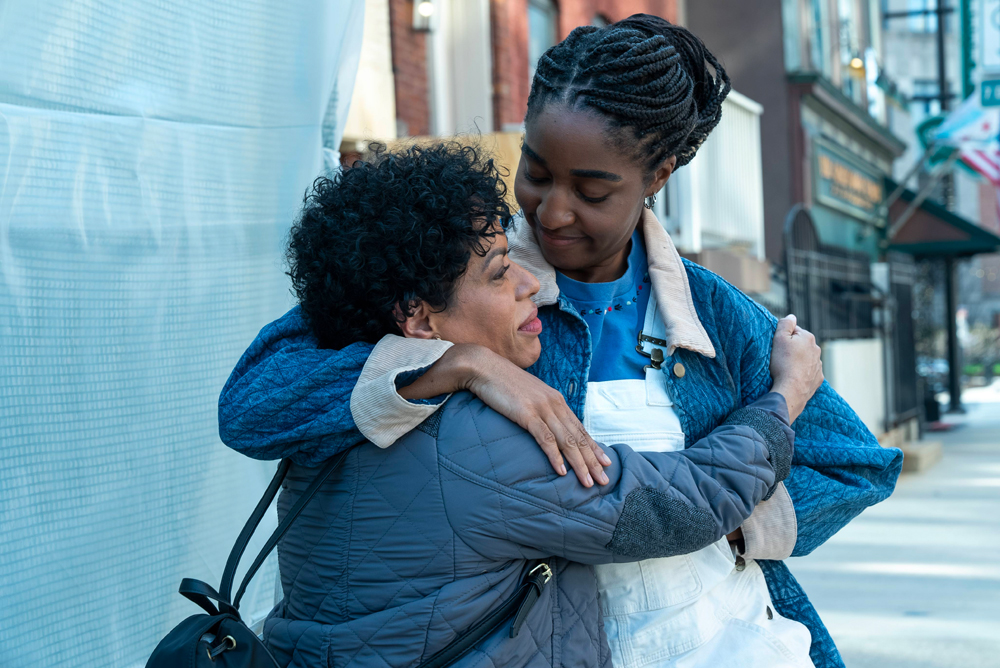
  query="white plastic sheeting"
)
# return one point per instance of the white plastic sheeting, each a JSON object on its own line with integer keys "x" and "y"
{"x": 152, "y": 156}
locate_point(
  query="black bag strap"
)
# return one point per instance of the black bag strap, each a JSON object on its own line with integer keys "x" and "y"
{"x": 236, "y": 554}
{"x": 285, "y": 525}
{"x": 518, "y": 605}
{"x": 203, "y": 594}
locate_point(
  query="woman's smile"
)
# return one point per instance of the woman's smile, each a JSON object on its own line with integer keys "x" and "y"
{"x": 554, "y": 239}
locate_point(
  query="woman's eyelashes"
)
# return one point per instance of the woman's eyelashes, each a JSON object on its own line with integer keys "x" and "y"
{"x": 592, "y": 200}
{"x": 585, "y": 198}
{"x": 499, "y": 276}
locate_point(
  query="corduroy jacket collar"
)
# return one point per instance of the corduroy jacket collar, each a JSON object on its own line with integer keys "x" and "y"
{"x": 666, "y": 272}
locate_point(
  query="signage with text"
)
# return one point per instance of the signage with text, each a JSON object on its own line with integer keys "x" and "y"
{"x": 846, "y": 184}
{"x": 990, "y": 96}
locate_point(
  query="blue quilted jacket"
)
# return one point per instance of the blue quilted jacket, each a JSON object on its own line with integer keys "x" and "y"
{"x": 267, "y": 411}
{"x": 405, "y": 547}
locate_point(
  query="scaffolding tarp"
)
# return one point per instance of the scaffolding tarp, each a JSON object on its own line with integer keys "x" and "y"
{"x": 152, "y": 156}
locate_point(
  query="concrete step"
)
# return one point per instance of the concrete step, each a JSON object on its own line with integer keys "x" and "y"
{"x": 920, "y": 455}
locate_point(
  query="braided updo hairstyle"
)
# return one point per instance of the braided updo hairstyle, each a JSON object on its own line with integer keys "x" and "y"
{"x": 644, "y": 75}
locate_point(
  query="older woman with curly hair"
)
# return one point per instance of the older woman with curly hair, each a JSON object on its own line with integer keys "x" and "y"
{"x": 460, "y": 545}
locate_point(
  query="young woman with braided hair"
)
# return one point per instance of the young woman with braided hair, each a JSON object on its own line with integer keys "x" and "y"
{"x": 638, "y": 347}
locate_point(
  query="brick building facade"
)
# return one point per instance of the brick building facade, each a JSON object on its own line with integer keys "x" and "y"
{"x": 409, "y": 68}
{"x": 509, "y": 32}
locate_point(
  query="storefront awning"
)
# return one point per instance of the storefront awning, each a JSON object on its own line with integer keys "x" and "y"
{"x": 933, "y": 231}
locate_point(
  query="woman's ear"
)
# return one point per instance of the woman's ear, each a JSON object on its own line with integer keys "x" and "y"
{"x": 661, "y": 175}
{"x": 419, "y": 325}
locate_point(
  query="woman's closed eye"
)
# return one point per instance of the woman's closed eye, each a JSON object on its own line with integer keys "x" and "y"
{"x": 535, "y": 179}
{"x": 592, "y": 200}
{"x": 501, "y": 273}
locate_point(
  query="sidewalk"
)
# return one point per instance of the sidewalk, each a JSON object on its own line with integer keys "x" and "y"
{"x": 915, "y": 581}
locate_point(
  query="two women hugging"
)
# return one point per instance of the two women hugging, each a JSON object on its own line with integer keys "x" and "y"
{"x": 463, "y": 354}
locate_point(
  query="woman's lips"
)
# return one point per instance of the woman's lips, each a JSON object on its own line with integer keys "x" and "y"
{"x": 532, "y": 325}
{"x": 550, "y": 238}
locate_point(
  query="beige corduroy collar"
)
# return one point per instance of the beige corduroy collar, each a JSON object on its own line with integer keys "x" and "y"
{"x": 666, "y": 272}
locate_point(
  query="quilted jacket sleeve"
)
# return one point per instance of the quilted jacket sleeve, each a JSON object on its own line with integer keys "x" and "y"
{"x": 839, "y": 468}
{"x": 504, "y": 502}
{"x": 289, "y": 398}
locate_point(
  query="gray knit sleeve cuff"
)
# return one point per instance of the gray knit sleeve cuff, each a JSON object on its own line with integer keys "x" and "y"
{"x": 778, "y": 436}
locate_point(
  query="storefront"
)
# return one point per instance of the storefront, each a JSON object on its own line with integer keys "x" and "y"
{"x": 841, "y": 158}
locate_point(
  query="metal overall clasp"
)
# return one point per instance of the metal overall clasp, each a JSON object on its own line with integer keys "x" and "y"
{"x": 656, "y": 357}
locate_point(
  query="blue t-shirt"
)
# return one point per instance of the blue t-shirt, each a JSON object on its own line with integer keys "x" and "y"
{"x": 615, "y": 313}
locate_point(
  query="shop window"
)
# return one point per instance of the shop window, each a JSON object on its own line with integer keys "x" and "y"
{"x": 543, "y": 25}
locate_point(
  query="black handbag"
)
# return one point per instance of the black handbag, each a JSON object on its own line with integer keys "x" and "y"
{"x": 221, "y": 639}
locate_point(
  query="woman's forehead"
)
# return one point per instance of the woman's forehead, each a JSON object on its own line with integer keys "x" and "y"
{"x": 565, "y": 139}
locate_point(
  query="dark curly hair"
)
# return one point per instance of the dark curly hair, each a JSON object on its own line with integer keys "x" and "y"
{"x": 643, "y": 74}
{"x": 377, "y": 239}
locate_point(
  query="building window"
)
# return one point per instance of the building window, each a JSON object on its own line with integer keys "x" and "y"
{"x": 926, "y": 22}
{"x": 543, "y": 22}
{"x": 926, "y": 99}
{"x": 817, "y": 29}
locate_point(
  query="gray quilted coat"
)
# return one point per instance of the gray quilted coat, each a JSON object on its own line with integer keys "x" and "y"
{"x": 406, "y": 547}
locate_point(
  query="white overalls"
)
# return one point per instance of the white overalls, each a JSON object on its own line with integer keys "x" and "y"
{"x": 691, "y": 610}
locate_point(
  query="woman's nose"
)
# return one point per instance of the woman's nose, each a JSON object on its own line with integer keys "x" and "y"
{"x": 553, "y": 213}
{"x": 527, "y": 284}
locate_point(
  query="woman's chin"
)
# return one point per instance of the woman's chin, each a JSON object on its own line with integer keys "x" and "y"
{"x": 527, "y": 353}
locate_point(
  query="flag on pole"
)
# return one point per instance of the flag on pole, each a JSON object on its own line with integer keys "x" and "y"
{"x": 970, "y": 125}
{"x": 986, "y": 161}
{"x": 975, "y": 132}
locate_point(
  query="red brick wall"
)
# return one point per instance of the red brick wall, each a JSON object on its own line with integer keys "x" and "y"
{"x": 409, "y": 68}
{"x": 573, "y": 13}
{"x": 509, "y": 24}
{"x": 510, "y": 43}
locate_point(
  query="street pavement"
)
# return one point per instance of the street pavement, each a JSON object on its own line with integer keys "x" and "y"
{"x": 915, "y": 581}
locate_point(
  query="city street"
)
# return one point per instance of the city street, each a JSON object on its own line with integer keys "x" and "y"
{"x": 915, "y": 581}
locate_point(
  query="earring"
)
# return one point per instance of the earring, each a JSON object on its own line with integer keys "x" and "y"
{"x": 437, "y": 337}
{"x": 650, "y": 201}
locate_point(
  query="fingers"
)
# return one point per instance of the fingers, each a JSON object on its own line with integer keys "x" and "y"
{"x": 573, "y": 453}
{"x": 589, "y": 449}
{"x": 547, "y": 442}
{"x": 787, "y": 325}
{"x": 596, "y": 447}
{"x": 592, "y": 453}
